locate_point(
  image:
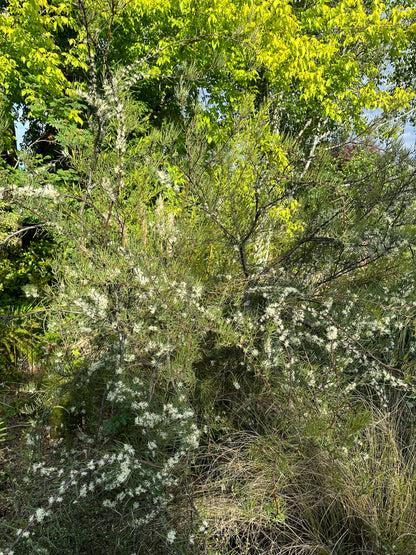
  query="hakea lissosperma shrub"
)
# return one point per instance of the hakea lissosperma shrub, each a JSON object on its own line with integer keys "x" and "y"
{"x": 131, "y": 480}
{"x": 167, "y": 326}
{"x": 319, "y": 344}
{"x": 303, "y": 349}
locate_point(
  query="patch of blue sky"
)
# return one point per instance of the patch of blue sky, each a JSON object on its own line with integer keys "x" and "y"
{"x": 408, "y": 131}
{"x": 409, "y": 135}
{"x": 20, "y": 131}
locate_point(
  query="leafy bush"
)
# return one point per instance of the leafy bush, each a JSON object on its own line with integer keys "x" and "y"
{"x": 229, "y": 323}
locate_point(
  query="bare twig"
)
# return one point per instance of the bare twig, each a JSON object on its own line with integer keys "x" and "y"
{"x": 23, "y": 230}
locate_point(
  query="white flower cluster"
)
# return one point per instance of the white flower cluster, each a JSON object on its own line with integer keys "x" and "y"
{"x": 47, "y": 191}
{"x": 94, "y": 306}
{"x": 109, "y": 188}
{"x": 322, "y": 342}
{"x": 31, "y": 291}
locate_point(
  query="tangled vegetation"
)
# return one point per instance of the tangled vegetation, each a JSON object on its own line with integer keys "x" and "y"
{"x": 207, "y": 335}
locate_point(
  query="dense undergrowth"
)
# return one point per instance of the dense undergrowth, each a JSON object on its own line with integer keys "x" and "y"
{"x": 207, "y": 335}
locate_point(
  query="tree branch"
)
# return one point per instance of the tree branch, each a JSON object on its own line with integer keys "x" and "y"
{"x": 20, "y": 231}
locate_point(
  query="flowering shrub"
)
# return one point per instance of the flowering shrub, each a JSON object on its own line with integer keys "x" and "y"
{"x": 136, "y": 477}
{"x": 198, "y": 290}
